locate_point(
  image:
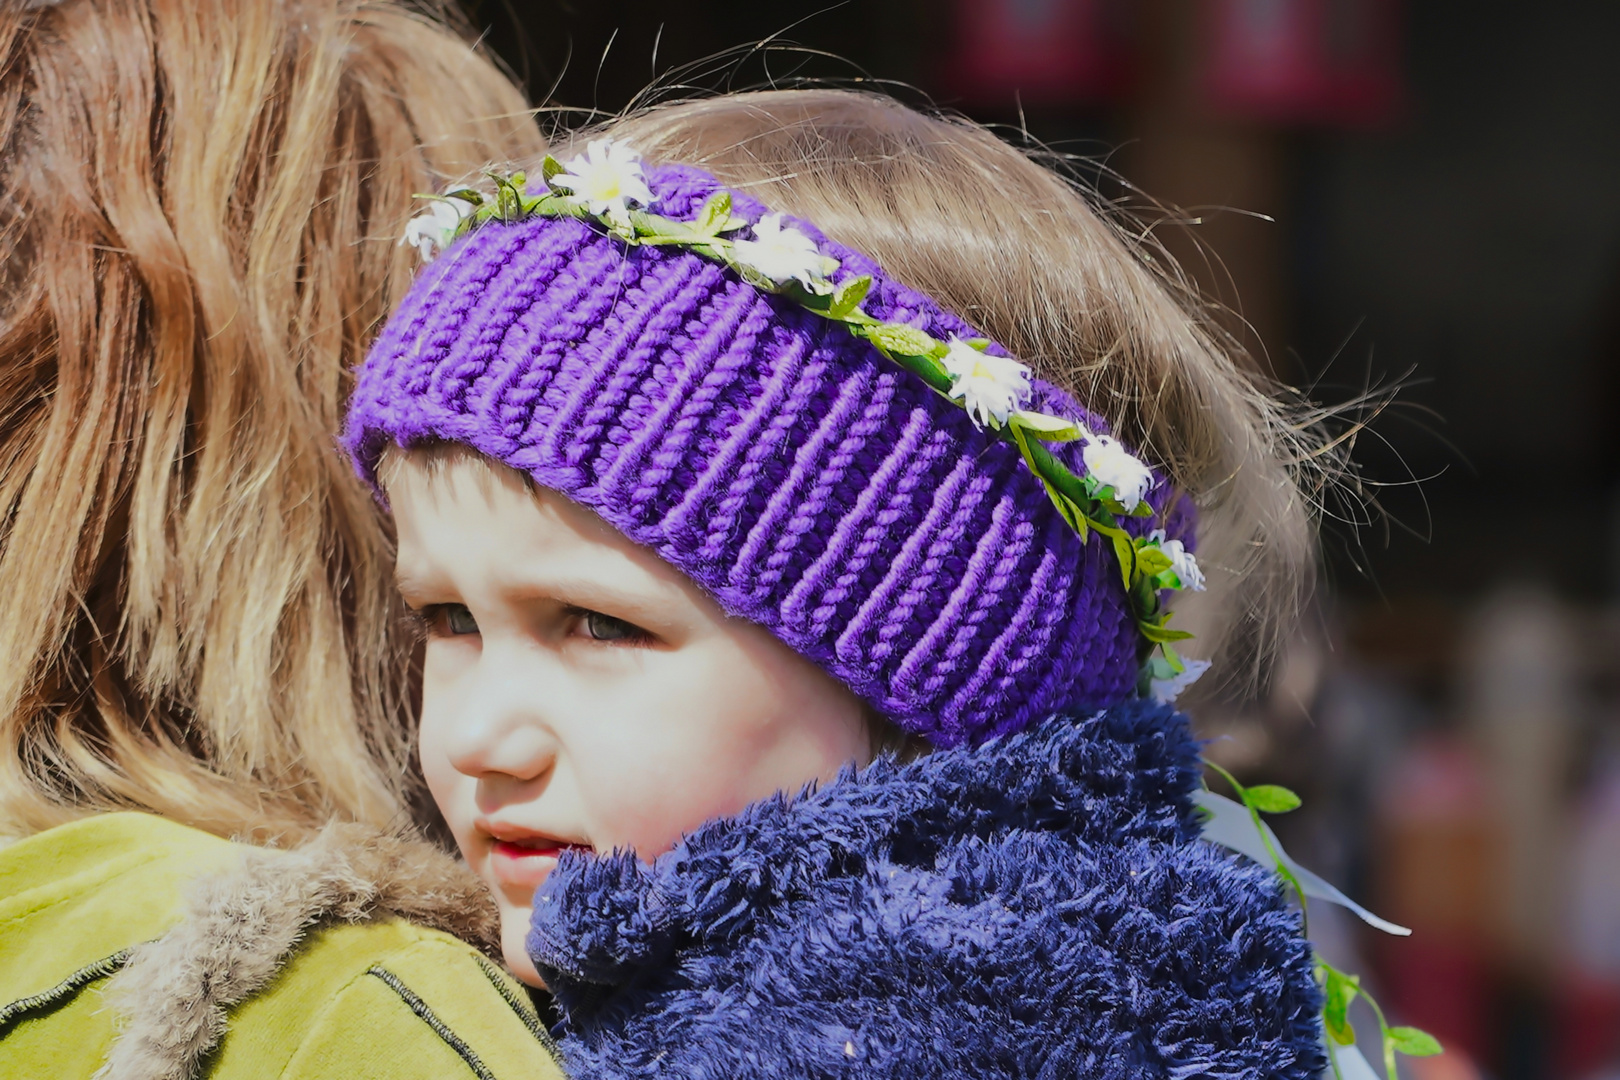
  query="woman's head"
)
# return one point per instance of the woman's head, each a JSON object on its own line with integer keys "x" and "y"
{"x": 199, "y": 203}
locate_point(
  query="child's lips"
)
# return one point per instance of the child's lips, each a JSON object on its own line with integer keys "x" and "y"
{"x": 528, "y": 861}
{"x": 518, "y": 850}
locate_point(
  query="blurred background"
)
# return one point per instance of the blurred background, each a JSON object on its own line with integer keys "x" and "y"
{"x": 1382, "y": 193}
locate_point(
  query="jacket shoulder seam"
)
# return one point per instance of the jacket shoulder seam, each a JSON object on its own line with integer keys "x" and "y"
{"x": 63, "y": 990}
{"x": 525, "y": 1013}
{"x": 431, "y": 1019}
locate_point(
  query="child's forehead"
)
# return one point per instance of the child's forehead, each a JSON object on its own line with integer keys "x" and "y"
{"x": 435, "y": 480}
{"x": 439, "y": 463}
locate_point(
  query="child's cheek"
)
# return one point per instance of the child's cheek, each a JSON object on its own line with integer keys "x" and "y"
{"x": 682, "y": 766}
{"x": 633, "y": 784}
{"x": 453, "y": 793}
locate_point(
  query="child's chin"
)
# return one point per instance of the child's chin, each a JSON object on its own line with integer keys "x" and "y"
{"x": 517, "y": 960}
{"x": 516, "y": 906}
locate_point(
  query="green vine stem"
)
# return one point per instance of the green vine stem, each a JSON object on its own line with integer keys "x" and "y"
{"x": 1339, "y": 988}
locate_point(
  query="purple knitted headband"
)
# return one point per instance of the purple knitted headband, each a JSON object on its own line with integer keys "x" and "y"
{"x": 789, "y": 467}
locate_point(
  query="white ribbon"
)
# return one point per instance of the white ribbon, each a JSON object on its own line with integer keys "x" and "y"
{"x": 1352, "y": 1064}
{"x": 1231, "y": 826}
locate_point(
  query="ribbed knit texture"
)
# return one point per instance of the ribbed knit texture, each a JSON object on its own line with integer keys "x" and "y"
{"x": 805, "y": 481}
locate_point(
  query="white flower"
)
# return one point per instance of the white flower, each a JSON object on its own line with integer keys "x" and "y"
{"x": 607, "y": 179}
{"x": 1165, "y": 691}
{"x": 1111, "y": 464}
{"x": 1182, "y": 563}
{"x": 989, "y": 387}
{"x": 431, "y": 232}
{"x": 783, "y": 253}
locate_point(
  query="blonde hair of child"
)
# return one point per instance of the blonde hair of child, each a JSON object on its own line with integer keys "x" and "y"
{"x": 199, "y": 203}
{"x": 1020, "y": 252}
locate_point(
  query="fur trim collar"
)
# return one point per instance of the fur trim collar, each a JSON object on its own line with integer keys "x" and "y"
{"x": 1039, "y": 906}
{"x": 241, "y": 926}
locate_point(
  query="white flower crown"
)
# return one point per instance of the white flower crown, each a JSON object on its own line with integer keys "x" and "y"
{"x": 608, "y": 186}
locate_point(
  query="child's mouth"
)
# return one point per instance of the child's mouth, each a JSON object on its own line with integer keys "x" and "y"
{"x": 513, "y": 849}
{"x": 527, "y": 862}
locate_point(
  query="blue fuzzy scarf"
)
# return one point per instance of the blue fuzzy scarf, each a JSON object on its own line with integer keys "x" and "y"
{"x": 1037, "y": 907}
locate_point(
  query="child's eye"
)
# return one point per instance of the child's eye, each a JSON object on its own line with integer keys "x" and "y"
{"x": 458, "y": 619}
{"x": 445, "y": 620}
{"x": 606, "y": 628}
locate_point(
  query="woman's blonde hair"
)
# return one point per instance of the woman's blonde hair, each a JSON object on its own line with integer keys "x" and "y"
{"x": 199, "y": 201}
{"x": 1020, "y": 252}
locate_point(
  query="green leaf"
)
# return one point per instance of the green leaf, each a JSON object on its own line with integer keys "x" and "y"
{"x": 1117, "y": 508}
{"x": 901, "y": 340}
{"x": 1070, "y": 512}
{"x": 508, "y": 199}
{"x": 1046, "y": 428}
{"x": 1413, "y": 1042}
{"x": 1160, "y": 634}
{"x": 1022, "y": 442}
{"x": 820, "y": 303}
{"x": 848, "y": 296}
{"x": 1173, "y": 658}
{"x": 715, "y": 213}
{"x": 1144, "y": 599}
{"x": 551, "y": 167}
{"x": 544, "y": 204}
{"x": 466, "y": 195}
{"x": 1337, "y": 994}
{"x": 1160, "y": 667}
{"x": 1110, "y": 500}
{"x": 1073, "y": 515}
{"x": 1152, "y": 561}
{"x": 924, "y": 367}
{"x": 755, "y": 278}
{"x": 1271, "y": 799}
{"x": 1125, "y": 552}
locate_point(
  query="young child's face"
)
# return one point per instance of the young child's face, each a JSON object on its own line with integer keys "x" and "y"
{"x": 579, "y": 691}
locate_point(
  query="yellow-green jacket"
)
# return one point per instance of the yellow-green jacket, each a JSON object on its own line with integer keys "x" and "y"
{"x": 146, "y": 949}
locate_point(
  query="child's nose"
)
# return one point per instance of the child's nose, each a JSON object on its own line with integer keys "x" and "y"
{"x": 500, "y": 726}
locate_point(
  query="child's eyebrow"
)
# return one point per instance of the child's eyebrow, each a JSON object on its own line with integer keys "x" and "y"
{"x": 597, "y": 595}
{"x": 407, "y": 583}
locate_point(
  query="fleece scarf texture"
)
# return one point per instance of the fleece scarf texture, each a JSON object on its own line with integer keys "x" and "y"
{"x": 1040, "y": 906}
